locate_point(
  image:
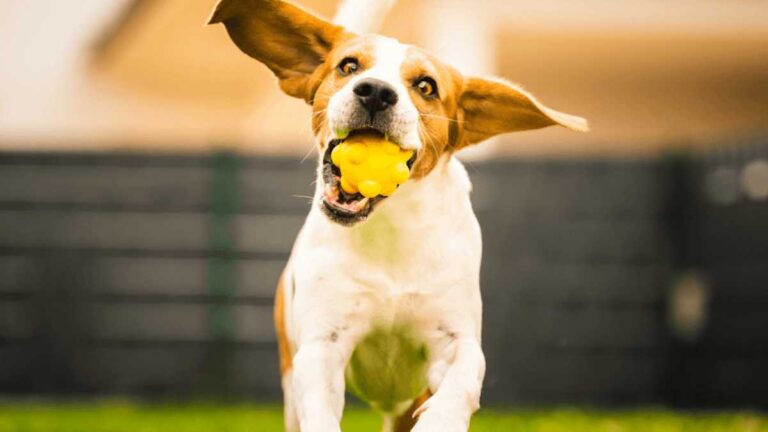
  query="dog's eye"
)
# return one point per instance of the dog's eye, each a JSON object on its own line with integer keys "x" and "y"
{"x": 349, "y": 66}
{"x": 426, "y": 86}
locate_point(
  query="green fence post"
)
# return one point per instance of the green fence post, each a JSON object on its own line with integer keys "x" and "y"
{"x": 221, "y": 276}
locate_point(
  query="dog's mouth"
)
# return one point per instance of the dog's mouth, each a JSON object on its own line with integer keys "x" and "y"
{"x": 341, "y": 206}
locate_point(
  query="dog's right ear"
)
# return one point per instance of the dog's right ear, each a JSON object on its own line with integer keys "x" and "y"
{"x": 290, "y": 41}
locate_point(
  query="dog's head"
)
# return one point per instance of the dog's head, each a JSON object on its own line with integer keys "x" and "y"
{"x": 373, "y": 84}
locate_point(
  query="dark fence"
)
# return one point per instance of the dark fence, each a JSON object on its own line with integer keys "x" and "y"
{"x": 720, "y": 231}
{"x": 154, "y": 275}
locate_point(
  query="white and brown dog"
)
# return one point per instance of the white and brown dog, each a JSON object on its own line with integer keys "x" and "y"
{"x": 381, "y": 296}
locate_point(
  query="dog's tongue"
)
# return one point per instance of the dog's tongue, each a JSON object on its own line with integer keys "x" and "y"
{"x": 332, "y": 195}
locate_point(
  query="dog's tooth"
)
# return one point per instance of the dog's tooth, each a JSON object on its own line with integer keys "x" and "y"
{"x": 331, "y": 193}
{"x": 359, "y": 205}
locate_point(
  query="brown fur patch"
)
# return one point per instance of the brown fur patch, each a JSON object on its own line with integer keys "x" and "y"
{"x": 491, "y": 107}
{"x": 439, "y": 124}
{"x": 406, "y": 422}
{"x": 290, "y": 41}
{"x": 283, "y": 346}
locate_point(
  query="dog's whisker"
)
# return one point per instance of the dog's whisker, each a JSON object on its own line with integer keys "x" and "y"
{"x": 307, "y": 197}
{"x": 429, "y": 140}
{"x": 311, "y": 150}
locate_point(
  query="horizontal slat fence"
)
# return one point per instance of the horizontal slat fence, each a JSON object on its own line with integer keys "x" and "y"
{"x": 727, "y": 241}
{"x": 154, "y": 275}
{"x": 110, "y": 266}
{"x": 575, "y": 265}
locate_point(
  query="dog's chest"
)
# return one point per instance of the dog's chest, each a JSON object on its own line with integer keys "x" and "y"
{"x": 388, "y": 367}
{"x": 411, "y": 283}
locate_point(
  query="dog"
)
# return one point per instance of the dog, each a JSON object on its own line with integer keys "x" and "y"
{"x": 381, "y": 296}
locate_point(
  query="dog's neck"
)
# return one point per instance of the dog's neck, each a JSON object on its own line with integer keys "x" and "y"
{"x": 426, "y": 211}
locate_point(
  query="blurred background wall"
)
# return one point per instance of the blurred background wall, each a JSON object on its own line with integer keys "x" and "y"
{"x": 145, "y": 74}
{"x": 151, "y": 186}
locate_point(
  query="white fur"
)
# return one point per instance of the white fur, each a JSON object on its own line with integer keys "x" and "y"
{"x": 388, "y": 57}
{"x": 414, "y": 263}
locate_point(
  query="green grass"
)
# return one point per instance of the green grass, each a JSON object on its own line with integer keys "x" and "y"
{"x": 124, "y": 417}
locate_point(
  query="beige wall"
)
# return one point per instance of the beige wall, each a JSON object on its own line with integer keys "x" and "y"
{"x": 642, "y": 93}
{"x": 649, "y": 75}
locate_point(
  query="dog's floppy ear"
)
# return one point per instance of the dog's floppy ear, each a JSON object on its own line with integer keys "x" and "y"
{"x": 287, "y": 39}
{"x": 490, "y": 107}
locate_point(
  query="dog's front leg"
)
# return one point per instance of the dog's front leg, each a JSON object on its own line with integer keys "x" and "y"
{"x": 318, "y": 385}
{"x": 457, "y": 395}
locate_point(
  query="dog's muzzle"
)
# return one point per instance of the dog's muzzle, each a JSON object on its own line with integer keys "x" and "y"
{"x": 340, "y": 206}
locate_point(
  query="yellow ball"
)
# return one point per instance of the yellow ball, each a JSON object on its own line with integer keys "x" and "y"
{"x": 371, "y": 165}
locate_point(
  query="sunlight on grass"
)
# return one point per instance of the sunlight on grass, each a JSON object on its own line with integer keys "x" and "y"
{"x": 123, "y": 417}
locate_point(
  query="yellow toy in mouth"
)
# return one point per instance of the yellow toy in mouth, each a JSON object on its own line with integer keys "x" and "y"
{"x": 371, "y": 165}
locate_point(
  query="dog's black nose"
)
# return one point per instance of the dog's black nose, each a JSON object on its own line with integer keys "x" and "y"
{"x": 375, "y": 95}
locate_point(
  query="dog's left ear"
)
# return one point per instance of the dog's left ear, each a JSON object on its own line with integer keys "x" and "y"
{"x": 490, "y": 107}
{"x": 290, "y": 41}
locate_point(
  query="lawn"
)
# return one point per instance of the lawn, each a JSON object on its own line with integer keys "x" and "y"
{"x": 124, "y": 417}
